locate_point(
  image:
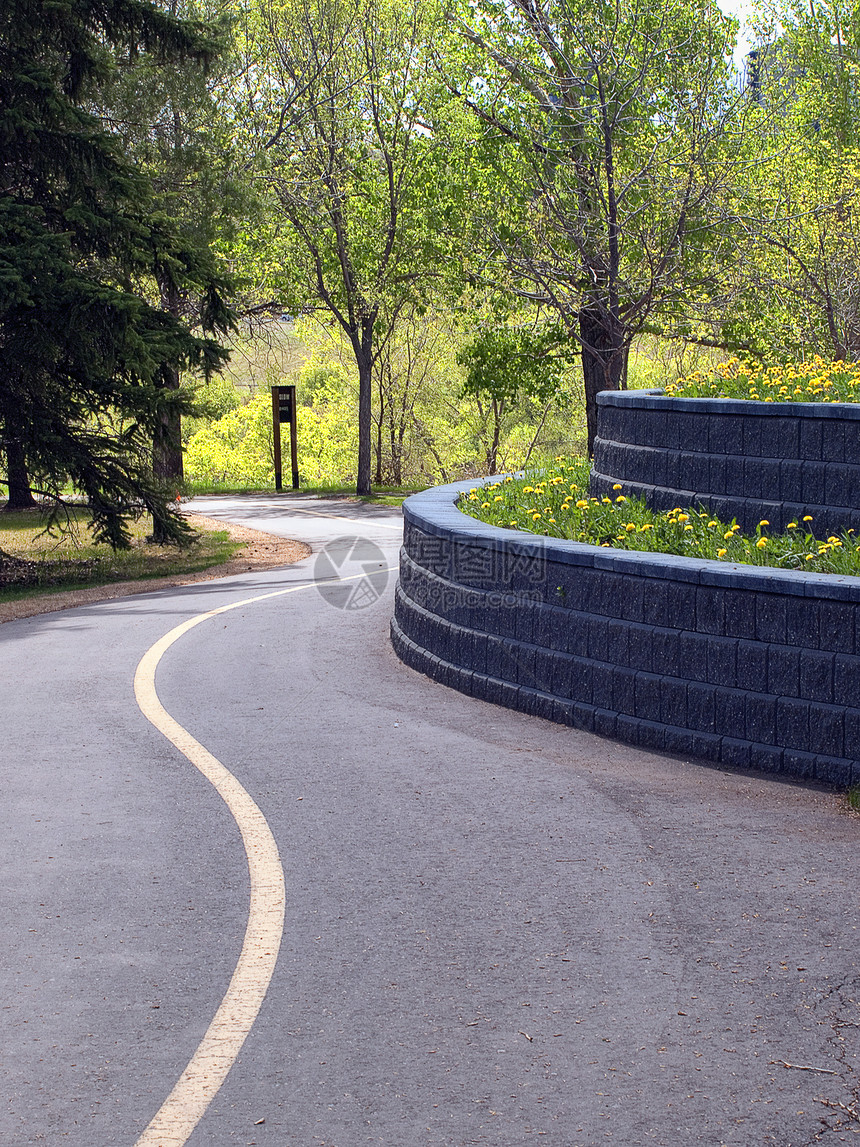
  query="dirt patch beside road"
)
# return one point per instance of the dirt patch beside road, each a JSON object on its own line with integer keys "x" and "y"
{"x": 261, "y": 552}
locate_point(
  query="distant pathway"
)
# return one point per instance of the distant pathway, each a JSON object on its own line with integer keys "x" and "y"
{"x": 495, "y": 930}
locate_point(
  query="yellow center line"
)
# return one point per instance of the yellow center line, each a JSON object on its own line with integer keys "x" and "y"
{"x": 217, "y": 1051}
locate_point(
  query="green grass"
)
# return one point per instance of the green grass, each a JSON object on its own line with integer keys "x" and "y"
{"x": 555, "y": 503}
{"x": 854, "y": 797}
{"x": 70, "y": 560}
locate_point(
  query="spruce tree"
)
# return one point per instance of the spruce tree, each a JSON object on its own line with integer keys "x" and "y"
{"x": 88, "y": 356}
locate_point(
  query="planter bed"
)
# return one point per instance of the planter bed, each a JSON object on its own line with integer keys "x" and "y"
{"x": 735, "y": 458}
{"x": 746, "y": 666}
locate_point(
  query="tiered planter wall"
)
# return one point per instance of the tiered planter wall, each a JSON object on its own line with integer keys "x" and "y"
{"x": 737, "y": 459}
{"x": 745, "y": 666}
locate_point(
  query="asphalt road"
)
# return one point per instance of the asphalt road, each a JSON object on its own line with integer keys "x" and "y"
{"x": 497, "y": 931}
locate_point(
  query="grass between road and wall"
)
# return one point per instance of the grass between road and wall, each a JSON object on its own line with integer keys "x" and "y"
{"x": 43, "y": 562}
{"x": 555, "y": 503}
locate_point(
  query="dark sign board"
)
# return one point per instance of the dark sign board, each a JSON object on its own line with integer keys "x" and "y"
{"x": 285, "y": 403}
{"x": 284, "y": 411}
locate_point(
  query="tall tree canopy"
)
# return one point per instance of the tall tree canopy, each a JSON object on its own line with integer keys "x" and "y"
{"x": 619, "y": 115}
{"x": 333, "y": 107}
{"x": 87, "y": 352}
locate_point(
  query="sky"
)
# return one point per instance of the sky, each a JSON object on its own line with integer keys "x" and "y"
{"x": 740, "y": 9}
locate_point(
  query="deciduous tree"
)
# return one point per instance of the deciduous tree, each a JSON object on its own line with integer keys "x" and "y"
{"x": 618, "y": 115}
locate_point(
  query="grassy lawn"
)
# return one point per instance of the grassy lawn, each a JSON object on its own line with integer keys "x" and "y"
{"x": 40, "y": 562}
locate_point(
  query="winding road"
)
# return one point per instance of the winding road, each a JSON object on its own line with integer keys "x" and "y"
{"x": 263, "y": 884}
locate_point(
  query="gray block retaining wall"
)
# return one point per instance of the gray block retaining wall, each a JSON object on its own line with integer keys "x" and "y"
{"x": 737, "y": 459}
{"x": 745, "y": 666}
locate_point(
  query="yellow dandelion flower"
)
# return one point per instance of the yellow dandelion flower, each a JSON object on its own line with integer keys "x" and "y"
{"x": 761, "y": 543}
{"x": 721, "y": 553}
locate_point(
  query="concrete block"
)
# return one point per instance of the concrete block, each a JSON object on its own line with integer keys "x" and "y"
{"x": 647, "y": 696}
{"x": 798, "y": 764}
{"x": 616, "y": 646}
{"x": 792, "y": 723}
{"x": 664, "y": 649}
{"x": 604, "y": 722}
{"x": 730, "y": 712}
{"x": 692, "y": 660}
{"x": 678, "y": 741}
{"x": 710, "y": 609}
{"x": 752, "y": 664}
{"x": 722, "y": 661}
{"x": 846, "y": 680}
{"x": 826, "y": 730}
{"x": 735, "y": 753}
{"x": 761, "y": 718}
{"x": 816, "y": 675}
{"x": 813, "y": 483}
{"x": 673, "y": 701}
{"x": 834, "y": 771}
{"x": 700, "y": 707}
{"x": 624, "y": 690}
{"x": 655, "y": 605}
{"x": 640, "y": 647}
{"x": 740, "y": 613}
{"x": 649, "y": 735}
{"x": 810, "y": 431}
{"x": 601, "y": 686}
{"x": 770, "y": 618}
{"x": 768, "y": 758}
{"x": 783, "y": 671}
{"x": 803, "y": 622}
{"x": 836, "y": 623}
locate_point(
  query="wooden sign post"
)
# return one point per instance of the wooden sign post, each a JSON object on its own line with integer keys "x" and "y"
{"x": 284, "y": 410}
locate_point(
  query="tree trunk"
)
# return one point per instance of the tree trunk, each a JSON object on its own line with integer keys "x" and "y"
{"x": 493, "y": 452}
{"x": 603, "y": 353}
{"x": 363, "y": 349}
{"x": 167, "y": 445}
{"x": 167, "y": 463}
{"x": 365, "y": 427}
{"x": 17, "y": 479}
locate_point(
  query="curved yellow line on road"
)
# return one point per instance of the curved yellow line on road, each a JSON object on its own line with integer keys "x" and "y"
{"x": 215, "y": 1055}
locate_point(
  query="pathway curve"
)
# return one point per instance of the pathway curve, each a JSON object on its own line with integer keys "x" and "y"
{"x": 497, "y": 930}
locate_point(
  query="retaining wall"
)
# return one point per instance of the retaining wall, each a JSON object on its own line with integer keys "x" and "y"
{"x": 737, "y": 459}
{"x": 745, "y": 666}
